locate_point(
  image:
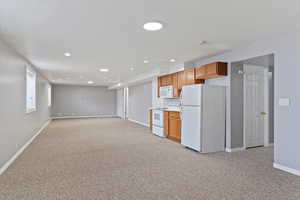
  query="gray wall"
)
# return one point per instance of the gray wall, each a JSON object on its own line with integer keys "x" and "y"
{"x": 139, "y": 102}
{"x": 120, "y": 103}
{"x": 237, "y": 103}
{"x": 286, "y": 51}
{"x": 17, "y": 127}
{"x": 69, "y": 100}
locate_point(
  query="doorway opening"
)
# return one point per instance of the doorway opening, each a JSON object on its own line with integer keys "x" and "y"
{"x": 252, "y": 102}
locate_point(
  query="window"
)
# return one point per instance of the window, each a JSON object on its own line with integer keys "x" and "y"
{"x": 30, "y": 90}
{"x": 49, "y": 96}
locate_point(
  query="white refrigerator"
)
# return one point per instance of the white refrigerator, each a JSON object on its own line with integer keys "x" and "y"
{"x": 203, "y": 118}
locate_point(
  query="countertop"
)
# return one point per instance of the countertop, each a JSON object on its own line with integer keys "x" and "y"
{"x": 172, "y": 109}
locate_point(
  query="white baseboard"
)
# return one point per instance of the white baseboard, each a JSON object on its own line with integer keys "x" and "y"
{"x": 20, "y": 151}
{"x": 79, "y": 117}
{"x": 137, "y": 122}
{"x": 234, "y": 149}
{"x": 286, "y": 169}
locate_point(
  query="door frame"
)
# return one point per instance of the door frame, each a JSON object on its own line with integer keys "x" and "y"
{"x": 125, "y": 103}
{"x": 266, "y": 103}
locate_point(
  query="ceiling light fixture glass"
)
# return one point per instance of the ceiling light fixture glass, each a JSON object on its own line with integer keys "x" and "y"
{"x": 153, "y": 26}
{"x": 67, "y": 54}
{"x": 131, "y": 68}
{"x": 146, "y": 61}
{"x": 172, "y": 60}
{"x": 90, "y": 82}
{"x": 103, "y": 70}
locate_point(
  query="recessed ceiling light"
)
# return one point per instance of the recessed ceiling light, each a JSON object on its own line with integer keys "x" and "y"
{"x": 67, "y": 54}
{"x": 131, "y": 68}
{"x": 103, "y": 70}
{"x": 146, "y": 61}
{"x": 172, "y": 60}
{"x": 91, "y": 82}
{"x": 153, "y": 26}
{"x": 119, "y": 84}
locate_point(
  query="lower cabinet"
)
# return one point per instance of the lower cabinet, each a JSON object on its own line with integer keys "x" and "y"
{"x": 173, "y": 125}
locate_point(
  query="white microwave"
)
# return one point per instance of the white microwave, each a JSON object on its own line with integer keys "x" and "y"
{"x": 166, "y": 92}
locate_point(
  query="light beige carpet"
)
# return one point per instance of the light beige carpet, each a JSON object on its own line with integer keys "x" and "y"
{"x": 107, "y": 159}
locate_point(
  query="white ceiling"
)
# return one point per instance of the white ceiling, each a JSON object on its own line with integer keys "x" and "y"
{"x": 109, "y": 34}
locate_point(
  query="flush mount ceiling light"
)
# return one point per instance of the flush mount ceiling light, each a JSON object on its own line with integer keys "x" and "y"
{"x": 67, "y": 54}
{"x": 153, "y": 26}
{"x": 172, "y": 60}
{"x": 146, "y": 61}
{"x": 90, "y": 82}
{"x": 119, "y": 84}
{"x": 103, "y": 70}
{"x": 131, "y": 68}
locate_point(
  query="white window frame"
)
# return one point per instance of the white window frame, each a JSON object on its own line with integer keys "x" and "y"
{"x": 30, "y": 90}
{"x": 49, "y": 96}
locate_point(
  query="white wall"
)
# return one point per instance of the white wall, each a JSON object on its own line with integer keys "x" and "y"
{"x": 70, "y": 100}
{"x": 139, "y": 102}
{"x": 17, "y": 127}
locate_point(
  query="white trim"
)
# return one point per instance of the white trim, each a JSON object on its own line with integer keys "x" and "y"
{"x": 235, "y": 149}
{"x": 287, "y": 169}
{"x": 79, "y": 117}
{"x": 20, "y": 151}
{"x": 137, "y": 122}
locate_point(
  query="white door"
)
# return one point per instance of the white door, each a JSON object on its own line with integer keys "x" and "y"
{"x": 256, "y": 106}
{"x": 191, "y": 127}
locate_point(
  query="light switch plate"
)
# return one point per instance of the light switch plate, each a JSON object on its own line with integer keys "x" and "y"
{"x": 284, "y": 102}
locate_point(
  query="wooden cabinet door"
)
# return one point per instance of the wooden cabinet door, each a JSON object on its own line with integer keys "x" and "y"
{"x": 162, "y": 81}
{"x": 175, "y": 85}
{"x": 174, "y": 129}
{"x": 181, "y": 79}
{"x": 165, "y": 80}
{"x": 211, "y": 69}
{"x": 166, "y": 123}
{"x": 215, "y": 70}
{"x": 189, "y": 76}
{"x": 168, "y": 79}
{"x": 200, "y": 73}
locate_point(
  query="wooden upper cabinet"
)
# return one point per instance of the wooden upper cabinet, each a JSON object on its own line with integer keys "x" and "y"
{"x": 175, "y": 85}
{"x": 166, "y": 80}
{"x": 213, "y": 70}
{"x": 181, "y": 79}
{"x": 189, "y": 76}
{"x": 200, "y": 72}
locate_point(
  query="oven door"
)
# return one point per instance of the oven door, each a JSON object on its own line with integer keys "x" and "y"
{"x": 158, "y": 118}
